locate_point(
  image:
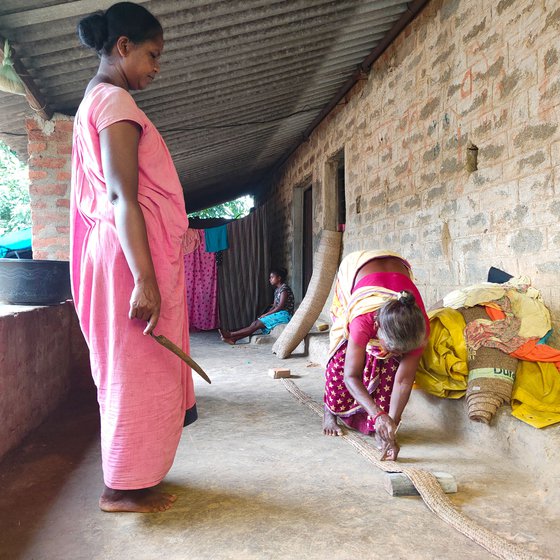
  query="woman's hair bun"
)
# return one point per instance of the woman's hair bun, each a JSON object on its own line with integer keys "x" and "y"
{"x": 93, "y": 31}
{"x": 406, "y": 297}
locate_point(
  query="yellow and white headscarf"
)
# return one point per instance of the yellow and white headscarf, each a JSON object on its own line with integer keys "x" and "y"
{"x": 346, "y": 306}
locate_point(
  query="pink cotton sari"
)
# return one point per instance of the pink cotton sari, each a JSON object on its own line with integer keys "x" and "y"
{"x": 143, "y": 390}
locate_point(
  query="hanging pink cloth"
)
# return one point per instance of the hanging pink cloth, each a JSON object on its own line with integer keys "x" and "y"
{"x": 143, "y": 389}
{"x": 201, "y": 277}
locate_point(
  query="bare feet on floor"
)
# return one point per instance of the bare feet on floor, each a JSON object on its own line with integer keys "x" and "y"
{"x": 224, "y": 334}
{"x": 330, "y": 426}
{"x": 147, "y": 500}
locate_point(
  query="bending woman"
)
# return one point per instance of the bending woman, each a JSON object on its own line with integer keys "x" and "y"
{"x": 128, "y": 224}
{"x": 379, "y": 331}
{"x": 280, "y": 312}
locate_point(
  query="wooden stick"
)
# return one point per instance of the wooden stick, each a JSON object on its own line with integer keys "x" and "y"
{"x": 166, "y": 343}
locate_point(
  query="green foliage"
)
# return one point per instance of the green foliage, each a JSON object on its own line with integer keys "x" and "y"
{"x": 231, "y": 210}
{"x": 15, "y": 207}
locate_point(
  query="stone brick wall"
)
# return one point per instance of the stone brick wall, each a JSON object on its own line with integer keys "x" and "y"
{"x": 43, "y": 354}
{"x": 50, "y": 149}
{"x": 465, "y": 71}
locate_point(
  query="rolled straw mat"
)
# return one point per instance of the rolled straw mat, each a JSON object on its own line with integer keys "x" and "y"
{"x": 491, "y": 376}
{"x": 325, "y": 264}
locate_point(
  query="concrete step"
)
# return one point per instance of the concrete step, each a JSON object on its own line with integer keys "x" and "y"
{"x": 272, "y": 337}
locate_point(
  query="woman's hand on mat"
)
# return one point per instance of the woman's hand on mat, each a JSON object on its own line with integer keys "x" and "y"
{"x": 386, "y": 429}
{"x": 145, "y": 303}
{"x": 390, "y": 451}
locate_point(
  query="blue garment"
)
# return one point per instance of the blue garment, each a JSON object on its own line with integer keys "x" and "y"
{"x": 216, "y": 239}
{"x": 271, "y": 321}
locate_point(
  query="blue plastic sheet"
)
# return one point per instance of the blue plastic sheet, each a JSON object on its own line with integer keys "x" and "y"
{"x": 15, "y": 241}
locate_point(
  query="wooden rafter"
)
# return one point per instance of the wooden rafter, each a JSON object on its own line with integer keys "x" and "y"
{"x": 33, "y": 94}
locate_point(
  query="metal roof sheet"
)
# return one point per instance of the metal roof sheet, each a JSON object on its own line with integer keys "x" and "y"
{"x": 240, "y": 80}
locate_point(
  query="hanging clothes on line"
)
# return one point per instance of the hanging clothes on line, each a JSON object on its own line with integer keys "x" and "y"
{"x": 216, "y": 239}
{"x": 201, "y": 277}
{"x": 243, "y": 275}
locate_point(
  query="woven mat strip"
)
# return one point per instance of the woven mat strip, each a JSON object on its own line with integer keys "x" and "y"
{"x": 429, "y": 489}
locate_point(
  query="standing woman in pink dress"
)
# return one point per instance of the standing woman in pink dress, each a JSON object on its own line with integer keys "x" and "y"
{"x": 128, "y": 225}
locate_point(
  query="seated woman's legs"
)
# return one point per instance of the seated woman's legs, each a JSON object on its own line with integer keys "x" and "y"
{"x": 234, "y": 336}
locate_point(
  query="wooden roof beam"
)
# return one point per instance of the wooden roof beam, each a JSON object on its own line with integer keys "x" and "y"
{"x": 35, "y": 16}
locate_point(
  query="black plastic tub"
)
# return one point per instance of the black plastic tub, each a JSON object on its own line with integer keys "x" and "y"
{"x": 29, "y": 282}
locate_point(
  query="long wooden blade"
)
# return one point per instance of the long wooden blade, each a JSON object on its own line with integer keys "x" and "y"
{"x": 166, "y": 343}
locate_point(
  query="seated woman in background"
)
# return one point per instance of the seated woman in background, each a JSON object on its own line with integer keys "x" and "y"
{"x": 280, "y": 312}
{"x": 379, "y": 331}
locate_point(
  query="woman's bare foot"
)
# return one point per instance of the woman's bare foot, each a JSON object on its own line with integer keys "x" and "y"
{"x": 147, "y": 500}
{"x": 229, "y": 340}
{"x": 330, "y": 426}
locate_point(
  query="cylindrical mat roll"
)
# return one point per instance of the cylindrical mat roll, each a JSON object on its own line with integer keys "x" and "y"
{"x": 325, "y": 264}
{"x": 491, "y": 375}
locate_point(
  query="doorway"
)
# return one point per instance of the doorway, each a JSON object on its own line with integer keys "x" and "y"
{"x": 334, "y": 193}
{"x": 340, "y": 191}
{"x": 307, "y": 239}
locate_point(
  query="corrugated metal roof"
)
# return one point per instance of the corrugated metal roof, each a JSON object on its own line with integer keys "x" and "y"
{"x": 240, "y": 80}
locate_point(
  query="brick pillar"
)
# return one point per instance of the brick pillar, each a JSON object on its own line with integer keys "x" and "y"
{"x": 50, "y": 150}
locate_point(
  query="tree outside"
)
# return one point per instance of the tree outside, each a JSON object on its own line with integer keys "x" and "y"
{"x": 231, "y": 210}
{"x": 15, "y": 206}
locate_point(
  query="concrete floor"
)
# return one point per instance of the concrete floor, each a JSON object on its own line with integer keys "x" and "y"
{"x": 256, "y": 479}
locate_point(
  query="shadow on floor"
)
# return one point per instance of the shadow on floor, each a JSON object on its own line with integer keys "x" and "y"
{"x": 34, "y": 474}
{"x": 201, "y": 507}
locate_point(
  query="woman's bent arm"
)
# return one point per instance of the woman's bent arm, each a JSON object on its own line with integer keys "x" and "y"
{"x": 354, "y": 364}
{"x": 385, "y": 426}
{"x": 404, "y": 380}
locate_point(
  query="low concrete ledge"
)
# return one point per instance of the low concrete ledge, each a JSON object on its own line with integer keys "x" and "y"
{"x": 318, "y": 347}
{"x": 43, "y": 352}
{"x": 300, "y": 350}
{"x": 534, "y": 451}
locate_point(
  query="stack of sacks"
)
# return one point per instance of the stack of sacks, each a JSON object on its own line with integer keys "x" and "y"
{"x": 525, "y": 303}
{"x": 491, "y": 373}
{"x": 536, "y": 394}
{"x": 443, "y": 370}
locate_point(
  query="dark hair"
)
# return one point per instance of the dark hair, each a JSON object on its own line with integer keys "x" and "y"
{"x": 402, "y": 326}
{"x": 101, "y": 30}
{"x": 282, "y": 272}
